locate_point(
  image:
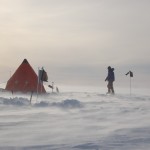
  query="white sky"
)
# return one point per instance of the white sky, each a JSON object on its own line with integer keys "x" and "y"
{"x": 75, "y": 40}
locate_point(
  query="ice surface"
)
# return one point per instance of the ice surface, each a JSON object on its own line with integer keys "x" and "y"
{"x": 75, "y": 121}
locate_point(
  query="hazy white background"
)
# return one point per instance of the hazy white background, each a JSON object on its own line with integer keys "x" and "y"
{"x": 75, "y": 40}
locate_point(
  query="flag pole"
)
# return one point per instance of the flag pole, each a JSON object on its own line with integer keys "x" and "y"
{"x": 52, "y": 86}
{"x": 131, "y": 75}
{"x": 130, "y": 85}
{"x": 31, "y": 96}
{"x": 41, "y": 85}
{"x": 41, "y": 81}
{"x": 37, "y": 85}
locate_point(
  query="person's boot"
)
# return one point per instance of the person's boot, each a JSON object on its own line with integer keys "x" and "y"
{"x": 113, "y": 91}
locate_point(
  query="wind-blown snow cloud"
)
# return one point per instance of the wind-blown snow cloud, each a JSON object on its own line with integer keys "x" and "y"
{"x": 75, "y": 40}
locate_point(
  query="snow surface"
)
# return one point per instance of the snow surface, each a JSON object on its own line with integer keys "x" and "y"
{"x": 75, "y": 121}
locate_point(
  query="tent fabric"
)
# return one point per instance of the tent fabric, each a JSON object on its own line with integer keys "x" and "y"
{"x": 25, "y": 80}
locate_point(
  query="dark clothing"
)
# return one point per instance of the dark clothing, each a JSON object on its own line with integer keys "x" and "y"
{"x": 110, "y": 78}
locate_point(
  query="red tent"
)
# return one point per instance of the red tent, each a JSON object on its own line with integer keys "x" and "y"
{"x": 25, "y": 80}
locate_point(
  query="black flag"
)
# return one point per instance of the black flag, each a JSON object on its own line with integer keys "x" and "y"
{"x": 50, "y": 86}
{"x": 43, "y": 75}
{"x": 131, "y": 73}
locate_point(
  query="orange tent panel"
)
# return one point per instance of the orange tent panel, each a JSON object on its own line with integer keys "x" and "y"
{"x": 24, "y": 80}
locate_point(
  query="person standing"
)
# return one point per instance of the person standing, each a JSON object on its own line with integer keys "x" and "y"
{"x": 110, "y": 78}
{"x": 113, "y": 79}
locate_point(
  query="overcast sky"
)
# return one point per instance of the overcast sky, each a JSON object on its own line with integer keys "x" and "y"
{"x": 75, "y": 40}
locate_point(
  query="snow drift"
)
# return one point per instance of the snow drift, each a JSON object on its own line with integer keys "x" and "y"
{"x": 75, "y": 121}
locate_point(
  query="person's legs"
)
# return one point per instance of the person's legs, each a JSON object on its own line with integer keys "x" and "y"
{"x": 109, "y": 87}
{"x": 112, "y": 88}
{"x": 113, "y": 92}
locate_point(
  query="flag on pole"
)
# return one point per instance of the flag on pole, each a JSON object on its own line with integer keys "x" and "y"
{"x": 43, "y": 75}
{"x": 50, "y": 86}
{"x": 131, "y": 73}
